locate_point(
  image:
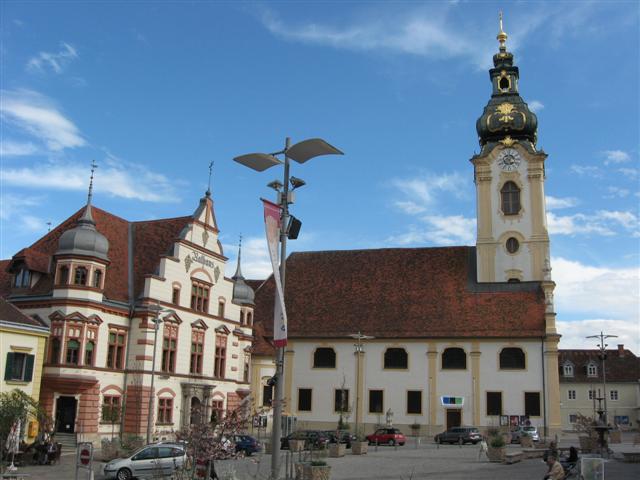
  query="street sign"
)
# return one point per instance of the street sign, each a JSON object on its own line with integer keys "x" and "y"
{"x": 84, "y": 460}
{"x": 85, "y": 456}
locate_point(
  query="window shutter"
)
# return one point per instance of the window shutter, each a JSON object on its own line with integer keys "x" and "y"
{"x": 28, "y": 370}
{"x": 9, "y": 366}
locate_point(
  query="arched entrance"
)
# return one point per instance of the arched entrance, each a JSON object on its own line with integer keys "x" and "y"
{"x": 196, "y": 411}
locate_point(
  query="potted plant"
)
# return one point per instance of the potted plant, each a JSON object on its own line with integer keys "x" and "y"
{"x": 337, "y": 449}
{"x": 415, "y": 429}
{"x": 317, "y": 470}
{"x": 496, "y": 448}
{"x": 525, "y": 440}
{"x": 360, "y": 445}
{"x": 586, "y": 433}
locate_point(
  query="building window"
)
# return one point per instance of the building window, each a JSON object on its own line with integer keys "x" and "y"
{"x": 88, "y": 353}
{"x": 197, "y": 349}
{"x": 592, "y": 370}
{"x": 613, "y": 394}
{"x": 111, "y": 409}
{"x": 97, "y": 278}
{"x": 241, "y": 317}
{"x": 54, "y": 355}
{"x": 249, "y": 318}
{"x": 115, "y": 351}
{"x": 376, "y": 404}
{"x": 571, "y": 394}
{"x": 80, "y": 277}
{"x": 414, "y": 402}
{"x": 532, "y": 404}
{"x": 341, "y": 400}
{"x": 200, "y": 297}
{"x": 512, "y": 358}
{"x": 169, "y": 347}
{"x": 175, "y": 296}
{"x": 568, "y": 370}
{"x": 324, "y": 358}
{"x": 63, "y": 276}
{"x": 217, "y": 410}
{"x": 73, "y": 351}
{"x": 494, "y": 403}
{"x": 396, "y": 358}
{"x": 245, "y": 372}
{"x": 512, "y": 245}
{"x": 592, "y": 394}
{"x": 19, "y": 367}
{"x": 573, "y": 418}
{"x": 267, "y": 395}
{"x": 221, "y": 308}
{"x": 304, "y": 399}
{"x": 220, "y": 356}
{"x": 22, "y": 278}
{"x": 510, "y": 194}
{"x": 454, "y": 359}
{"x": 165, "y": 410}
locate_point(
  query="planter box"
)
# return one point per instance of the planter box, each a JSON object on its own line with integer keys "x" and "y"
{"x": 615, "y": 436}
{"x": 359, "y": 448}
{"x": 526, "y": 442}
{"x": 298, "y": 469}
{"x": 586, "y": 444}
{"x": 337, "y": 450}
{"x": 317, "y": 473}
{"x": 496, "y": 454}
{"x": 267, "y": 447}
{"x": 296, "y": 445}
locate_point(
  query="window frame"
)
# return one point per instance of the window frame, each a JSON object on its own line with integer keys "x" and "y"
{"x": 502, "y": 360}
{"x": 336, "y": 400}
{"x": 387, "y": 359}
{"x": 592, "y": 370}
{"x": 373, "y": 403}
{"x": 510, "y": 203}
{"x": 571, "y": 395}
{"x": 200, "y": 293}
{"x": 319, "y": 360}
{"x": 25, "y": 367}
{"x": 451, "y": 349}
{"x": 116, "y": 349}
{"x": 267, "y": 402}
{"x": 169, "y": 347}
{"x": 538, "y": 408}
{"x": 567, "y": 370}
{"x": 165, "y": 411}
{"x": 309, "y": 392}
{"x": 611, "y": 395}
{"x": 80, "y": 275}
{"x": 220, "y": 356}
{"x": 111, "y": 402}
{"x": 409, "y": 406}
{"x": 490, "y": 407}
{"x": 197, "y": 351}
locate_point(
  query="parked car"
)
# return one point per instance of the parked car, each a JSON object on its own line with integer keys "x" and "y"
{"x": 520, "y": 431}
{"x": 315, "y": 439}
{"x": 341, "y": 436}
{"x": 156, "y": 460}
{"x": 459, "y": 435}
{"x": 387, "y": 436}
{"x": 246, "y": 444}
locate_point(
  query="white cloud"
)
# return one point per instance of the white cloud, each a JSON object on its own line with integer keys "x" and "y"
{"x": 255, "y": 258}
{"x": 15, "y": 210}
{"x": 535, "y": 106}
{"x": 556, "y": 203}
{"x": 602, "y": 222}
{"x": 616, "y": 156}
{"x": 574, "y": 333}
{"x": 55, "y": 61}
{"x": 587, "y": 170}
{"x": 36, "y": 115}
{"x": 629, "y": 172}
{"x": 9, "y": 148}
{"x": 438, "y": 230}
{"x": 617, "y": 192}
{"x": 422, "y": 192}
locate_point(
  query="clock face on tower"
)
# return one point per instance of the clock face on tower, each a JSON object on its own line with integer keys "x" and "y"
{"x": 509, "y": 159}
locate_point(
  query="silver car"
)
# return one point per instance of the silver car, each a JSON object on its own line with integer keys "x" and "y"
{"x": 151, "y": 461}
{"x": 521, "y": 431}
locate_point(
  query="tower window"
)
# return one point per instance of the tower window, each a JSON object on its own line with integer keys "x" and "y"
{"x": 80, "y": 277}
{"x": 97, "y": 278}
{"x": 63, "y": 278}
{"x": 504, "y": 84}
{"x": 512, "y": 245}
{"x": 510, "y": 194}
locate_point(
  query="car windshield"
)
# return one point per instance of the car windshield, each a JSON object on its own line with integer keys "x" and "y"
{"x": 529, "y": 429}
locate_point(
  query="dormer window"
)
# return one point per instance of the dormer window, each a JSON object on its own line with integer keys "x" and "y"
{"x": 568, "y": 370}
{"x": 592, "y": 370}
{"x": 97, "y": 278}
{"x": 22, "y": 278}
{"x": 80, "y": 276}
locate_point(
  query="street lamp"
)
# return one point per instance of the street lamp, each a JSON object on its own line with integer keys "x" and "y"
{"x": 358, "y": 353}
{"x": 300, "y": 152}
{"x": 157, "y": 310}
{"x": 603, "y": 356}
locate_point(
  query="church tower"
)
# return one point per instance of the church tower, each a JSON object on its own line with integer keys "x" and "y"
{"x": 512, "y": 241}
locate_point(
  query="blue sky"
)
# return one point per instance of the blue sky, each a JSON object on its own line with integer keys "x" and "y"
{"x": 154, "y": 91}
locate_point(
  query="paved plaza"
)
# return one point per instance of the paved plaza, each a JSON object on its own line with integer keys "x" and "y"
{"x": 386, "y": 463}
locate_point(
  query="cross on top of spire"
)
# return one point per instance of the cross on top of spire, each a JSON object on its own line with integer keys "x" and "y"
{"x": 502, "y": 36}
{"x": 94, "y": 165}
{"x": 208, "y": 193}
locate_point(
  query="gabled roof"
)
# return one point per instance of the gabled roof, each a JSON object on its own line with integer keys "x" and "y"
{"x": 400, "y": 293}
{"x": 11, "y": 314}
{"x": 621, "y": 365}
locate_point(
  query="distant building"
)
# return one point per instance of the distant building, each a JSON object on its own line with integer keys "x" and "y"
{"x": 22, "y": 346}
{"x": 581, "y": 386}
{"x": 95, "y": 280}
{"x": 463, "y": 335}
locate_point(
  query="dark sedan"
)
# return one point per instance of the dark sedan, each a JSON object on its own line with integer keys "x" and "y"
{"x": 313, "y": 439}
{"x": 459, "y": 435}
{"x": 341, "y": 436}
{"x": 246, "y": 444}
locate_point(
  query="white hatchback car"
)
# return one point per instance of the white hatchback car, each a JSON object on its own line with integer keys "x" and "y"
{"x": 157, "y": 460}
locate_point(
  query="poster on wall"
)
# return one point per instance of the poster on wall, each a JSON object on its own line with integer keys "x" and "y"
{"x": 504, "y": 420}
{"x": 514, "y": 420}
{"x": 524, "y": 421}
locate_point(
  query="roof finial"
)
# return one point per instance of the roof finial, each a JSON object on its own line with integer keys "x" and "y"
{"x": 238, "y": 270}
{"x": 208, "y": 194}
{"x": 502, "y": 36}
{"x": 93, "y": 169}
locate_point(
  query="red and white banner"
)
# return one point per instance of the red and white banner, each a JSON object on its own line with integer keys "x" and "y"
{"x": 272, "y": 227}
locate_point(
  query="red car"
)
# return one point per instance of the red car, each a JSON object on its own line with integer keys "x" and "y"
{"x": 387, "y": 436}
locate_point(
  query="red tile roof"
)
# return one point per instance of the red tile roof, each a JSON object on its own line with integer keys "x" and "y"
{"x": 621, "y": 365}
{"x": 9, "y": 313}
{"x": 33, "y": 259}
{"x": 400, "y": 293}
{"x": 150, "y": 240}
{"x": 5, "y": 278}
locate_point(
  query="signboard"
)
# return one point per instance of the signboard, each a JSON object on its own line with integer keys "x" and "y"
{"x": 450, "y": 401}
{"x": 84, "y": 460}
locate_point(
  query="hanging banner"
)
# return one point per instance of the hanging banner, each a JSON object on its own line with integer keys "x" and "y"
{"x": 272, "y": 227}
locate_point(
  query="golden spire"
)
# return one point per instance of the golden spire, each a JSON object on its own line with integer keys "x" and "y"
{"x": 502, "y": 36}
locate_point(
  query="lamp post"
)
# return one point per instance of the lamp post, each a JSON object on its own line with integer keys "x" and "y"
{"x": 300, "y": 152}
{"x": 359, "y": 352}
{"x": 157, "y": 321}
{"x": 603, "y": 356}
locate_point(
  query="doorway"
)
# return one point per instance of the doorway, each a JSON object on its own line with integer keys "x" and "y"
{"x": 454, "y": 417}
{"x": 66, "y": 414}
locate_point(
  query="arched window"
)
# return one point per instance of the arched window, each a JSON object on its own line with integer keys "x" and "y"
{"x": 512, "y": 358}
{"x": 73, "y": 349}
{"x": 324, "y": 358}
{"x": 396, "y": 358}
{"x": 454, "y": 359}
{"x": 510, "y": 194}
{"x": 97, "y": 278}
{"x": 568, "y": 370}
{"x": 63, "y": 277}
{"x": 592, "y": 370}
{"x": 80, "y": 277}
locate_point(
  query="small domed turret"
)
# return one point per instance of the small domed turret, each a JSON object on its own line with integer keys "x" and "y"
{"x": 243, "y": 294}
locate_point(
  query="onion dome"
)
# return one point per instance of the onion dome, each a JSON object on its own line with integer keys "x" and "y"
{"x": 243, "y": 294}
{"x": 506, "y": 117}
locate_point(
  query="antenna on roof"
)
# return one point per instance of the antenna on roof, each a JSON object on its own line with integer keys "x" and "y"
{"x": 94, "y": 165}
{"x": 210, "y": 172}
{"x": 48, "y": 227}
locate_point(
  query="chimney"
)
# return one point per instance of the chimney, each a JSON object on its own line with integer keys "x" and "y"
{"x": 621, "y": 350}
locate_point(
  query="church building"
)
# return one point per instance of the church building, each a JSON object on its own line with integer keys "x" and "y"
{"x": 433, "y": 338}
{"x": 116, "y": 295}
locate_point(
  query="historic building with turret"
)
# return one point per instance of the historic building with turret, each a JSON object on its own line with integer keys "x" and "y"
{"x": 444, "y": 336}
{"x": 118, "y": 294}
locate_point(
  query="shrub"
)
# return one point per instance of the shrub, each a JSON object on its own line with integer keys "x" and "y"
{"x": 496, "y": 441}
{"x": 318, "y": 463}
